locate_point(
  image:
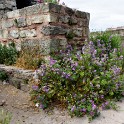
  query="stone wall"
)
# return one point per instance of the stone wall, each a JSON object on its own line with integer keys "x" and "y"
{"x": 6, "y": 6}
{"x": 48, "y": 26}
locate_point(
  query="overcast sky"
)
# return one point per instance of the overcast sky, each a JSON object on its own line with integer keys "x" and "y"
{"x": 103, "y": 13}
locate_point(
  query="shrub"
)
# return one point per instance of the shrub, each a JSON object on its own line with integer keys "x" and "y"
{"x": 3, "y": 75}
{"x": 83, "y": 80}
{"x": 5, "y": 117}
{"x": 8, "y": 54}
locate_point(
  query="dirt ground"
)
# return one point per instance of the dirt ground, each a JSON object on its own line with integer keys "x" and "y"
{"x": 18, "y": 103}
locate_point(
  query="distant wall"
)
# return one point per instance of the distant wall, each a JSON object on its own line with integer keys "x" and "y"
{"x": 49, "y": 26}
{"x": 118, "y": 30}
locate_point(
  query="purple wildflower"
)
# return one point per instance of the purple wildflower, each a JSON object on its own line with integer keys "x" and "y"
{"x": 73, "y": 108}
{"x": 93, "y": 107}
{"x": 102, "y": 96}
{"x": 41, "y": 106}
{"x": 45, "y": 89}
{"x": 83, "y": 110}
{"x": 92, "y": 113}
{"x": 52, "y": 61}
{"x": 83, "y": 100}
{"x": 35, "y": 87}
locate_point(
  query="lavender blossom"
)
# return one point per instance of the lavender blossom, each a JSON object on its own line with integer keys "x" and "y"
{"x": 45, "y": 89}
{"x": 83, "y": 110}
{"x": 52, "y": 61}
{"x": 35, "y": 87}
{"x": 93, "y": 107}
{"x": 73, "y": 108}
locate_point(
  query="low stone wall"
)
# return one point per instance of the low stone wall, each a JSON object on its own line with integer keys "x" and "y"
{"x": 48, "y": 26}
{"x": 18, "y": 77}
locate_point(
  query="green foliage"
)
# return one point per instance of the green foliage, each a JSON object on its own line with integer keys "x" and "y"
{"x": 51, "y": 1}
{"x": 8, "y": 54}
{"x": 3, "y": 75}
{"x": 5, "y": 117}
{"x": 83, "y": 81}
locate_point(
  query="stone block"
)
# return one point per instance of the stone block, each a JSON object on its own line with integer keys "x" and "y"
{"x": 13, "y": 3}
{"x": 5, "y": 33}
{"x": 78, "y": 32}
{"x": 36, "y": 19}
{"x": 85, "y": 31}
{"x": 43, "y": 8}
{"x": 14, "y": 33}
{"x": 63, "y": 42}
{"x": 54, "y": 45}
{"x": 80, "y": 14}
{"x": 28, "y": 33}
{"x": 53, "y": 30}
{"x": 9, "y": 6}
{"x": 50, "y": 18}
{"x": 7, "y": 24}
{"x": 39, "y": 19}
{"x": 46, "y": 46}
{"x": 73, "y": 20}
{"x": 2, "y": 6}
{"x": 42, "y": 44}
{"x": 69, "y": 11}
{"x": 20, "y": 22}
{"x": 22, "y": 12}
{"x": 87, "y": 16}
{"x": 64, "y": 19}
{"x": 1, "y": 33}
{"x": 32, "y": 10}
{"x": 13, "y": 14}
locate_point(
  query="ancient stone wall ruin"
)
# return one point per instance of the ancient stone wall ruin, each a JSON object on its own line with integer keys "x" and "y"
{"x": 49, "y": 26}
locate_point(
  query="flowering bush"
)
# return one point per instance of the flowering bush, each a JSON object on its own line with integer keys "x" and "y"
{"x": 83, "y": 80}
{"x": 8, "y": 54}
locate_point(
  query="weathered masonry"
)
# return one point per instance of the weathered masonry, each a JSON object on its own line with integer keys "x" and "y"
{"x": 6, "y": 6}
{"x": 49, "y": 26}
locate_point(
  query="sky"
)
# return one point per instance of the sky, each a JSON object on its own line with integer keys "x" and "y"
{"x": 103, "y": 13}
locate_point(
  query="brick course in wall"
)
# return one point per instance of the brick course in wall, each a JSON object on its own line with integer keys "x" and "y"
{"x": 49, "y": 26}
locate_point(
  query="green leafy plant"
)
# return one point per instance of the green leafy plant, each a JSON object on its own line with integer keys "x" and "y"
{"x": 5, "y": 117}
{"x": 3, "y": 75}
{"x": 52, "y": 1}
{"x": 8, "y": 54}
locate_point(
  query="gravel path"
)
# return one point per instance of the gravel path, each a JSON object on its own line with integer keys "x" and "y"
{"x": 18, "y": 103}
